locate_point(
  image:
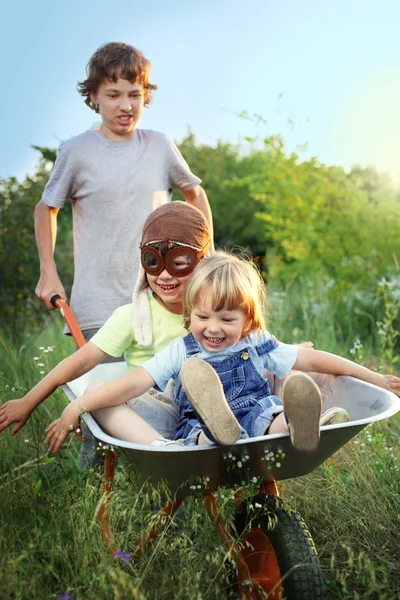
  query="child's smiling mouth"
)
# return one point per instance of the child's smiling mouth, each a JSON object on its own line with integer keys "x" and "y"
{"x": 214, "y": 341}
{"x": 168, "y": 288}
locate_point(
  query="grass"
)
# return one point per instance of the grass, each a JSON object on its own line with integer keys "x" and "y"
{"x": 50, "y": 544}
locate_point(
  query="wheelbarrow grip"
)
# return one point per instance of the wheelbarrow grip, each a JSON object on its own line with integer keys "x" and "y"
{"x": 69, "y": 318}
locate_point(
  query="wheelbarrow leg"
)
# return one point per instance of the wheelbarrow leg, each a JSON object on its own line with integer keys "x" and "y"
{"x": 105, "y": 512}
{"x": 162, "y": 518}
{"x": 105, "y": 505}
{"x": 230, "y": 542}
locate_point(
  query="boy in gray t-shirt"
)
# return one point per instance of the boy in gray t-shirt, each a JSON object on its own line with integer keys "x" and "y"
{"x": 115, "y": 177}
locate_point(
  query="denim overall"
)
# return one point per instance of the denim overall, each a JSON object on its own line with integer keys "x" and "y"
{"x": 246, "y": 390}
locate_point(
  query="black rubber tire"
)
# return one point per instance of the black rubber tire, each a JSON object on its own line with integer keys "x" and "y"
{"x": 292, "y": 542}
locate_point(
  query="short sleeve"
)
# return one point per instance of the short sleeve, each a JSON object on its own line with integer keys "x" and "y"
{"x": 166, "y": 365}
{"x": 60, "y": 185}
{"x": 281, "y": 360}
{"x": 116, "y": 335}
{"x": 180, "y": 175}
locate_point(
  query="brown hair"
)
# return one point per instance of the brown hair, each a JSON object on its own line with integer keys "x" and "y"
{"x": 232, "y": 283}
{"x": 114, "y": 60}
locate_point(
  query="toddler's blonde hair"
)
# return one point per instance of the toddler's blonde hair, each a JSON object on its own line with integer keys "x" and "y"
{"x": 232, "y": 283}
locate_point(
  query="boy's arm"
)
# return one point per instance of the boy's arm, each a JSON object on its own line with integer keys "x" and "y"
{"x": 46, "y": 233}
{"x": 19, "y": 410}
{"x": 111, "y": 393}
{"x": 309, "y": 359}
{"x": 198, "y": 198}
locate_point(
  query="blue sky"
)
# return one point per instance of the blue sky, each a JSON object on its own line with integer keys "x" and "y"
{"x": 332, "y": 68}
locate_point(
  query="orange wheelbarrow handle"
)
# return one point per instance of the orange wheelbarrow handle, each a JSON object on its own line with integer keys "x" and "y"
{"x": 70, "y": 320}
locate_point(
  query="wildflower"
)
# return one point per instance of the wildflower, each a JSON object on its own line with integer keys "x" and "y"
{"x": 125, "y": 556}
{"x": 41, "y": 372}
{"x": 26, "y": 441}
{"x": 239, "y": 463}
{"x": 278, "y": 464}
{"x": 257, "y": 505}
{"x": 35, "y": 358}
{"x": 40, "y": 364}
{"x": 41, "y": 347}
{"x": 254, "y": 480}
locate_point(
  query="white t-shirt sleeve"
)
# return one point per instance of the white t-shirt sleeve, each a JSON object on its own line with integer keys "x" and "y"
{"x": 166, "y": 365}
{"x": 60, "y": 185}
{"x": 180, "y": 175}
{"x": 281, "y": 360}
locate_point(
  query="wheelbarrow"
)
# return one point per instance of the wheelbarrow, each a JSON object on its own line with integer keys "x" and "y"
{"x": 278, "y": 561}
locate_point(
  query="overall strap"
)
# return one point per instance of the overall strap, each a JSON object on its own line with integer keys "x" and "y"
{"x": 191, "y": 345}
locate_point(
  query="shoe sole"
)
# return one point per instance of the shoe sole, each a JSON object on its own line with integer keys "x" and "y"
{"x": 204, "y": 390}
{"x": 302, "y": 403}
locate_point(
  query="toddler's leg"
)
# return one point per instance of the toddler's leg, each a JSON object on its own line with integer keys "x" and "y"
{"x": 205, "y": 392}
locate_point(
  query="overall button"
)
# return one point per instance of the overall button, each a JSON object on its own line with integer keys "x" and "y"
{"x": 245, "y": 356}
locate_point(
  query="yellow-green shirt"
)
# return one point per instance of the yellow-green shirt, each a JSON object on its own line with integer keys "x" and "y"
{"x": 116, "y": 337}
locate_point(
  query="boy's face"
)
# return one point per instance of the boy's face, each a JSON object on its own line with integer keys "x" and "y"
{"x": 216, "y": 330}
{"x": 168, "y": 290}
{"x": 120, "y": 104}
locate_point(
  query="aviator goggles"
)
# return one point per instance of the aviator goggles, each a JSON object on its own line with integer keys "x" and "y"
{"x": 179, "y": 262}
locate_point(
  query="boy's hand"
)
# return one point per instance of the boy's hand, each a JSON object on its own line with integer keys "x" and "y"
{"x": 49, "y": 285}
{"x": 59, "y": 429}
{"x": 14, "y": 411}
{"x": 392, "y": 383}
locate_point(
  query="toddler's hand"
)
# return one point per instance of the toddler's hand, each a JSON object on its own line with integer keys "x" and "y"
{"x": 14, "y": 411}
{"x": 306, "y": 344}
{"x": 392, "y": 383}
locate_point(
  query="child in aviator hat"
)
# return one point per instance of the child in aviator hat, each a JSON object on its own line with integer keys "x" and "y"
{"x": 175, "y": 237}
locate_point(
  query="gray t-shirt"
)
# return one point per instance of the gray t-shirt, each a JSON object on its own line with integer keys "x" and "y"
{"x": 114, "y": 186}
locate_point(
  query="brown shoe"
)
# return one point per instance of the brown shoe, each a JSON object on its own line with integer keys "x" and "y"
{"x": 204, "y": 389}
{"x": 301, "y": 399}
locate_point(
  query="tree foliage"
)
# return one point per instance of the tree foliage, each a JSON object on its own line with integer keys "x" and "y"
{"x": 19, "y": 264}
{"x": 299, "y": 217}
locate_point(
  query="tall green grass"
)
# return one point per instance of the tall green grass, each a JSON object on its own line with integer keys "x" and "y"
{"x": 50, "y": 542}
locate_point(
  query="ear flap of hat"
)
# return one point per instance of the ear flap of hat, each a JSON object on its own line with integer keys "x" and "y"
{"x": 142, "y": 320}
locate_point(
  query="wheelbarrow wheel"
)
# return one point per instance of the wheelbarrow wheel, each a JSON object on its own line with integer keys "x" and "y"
{"x": 278, "y": 551}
